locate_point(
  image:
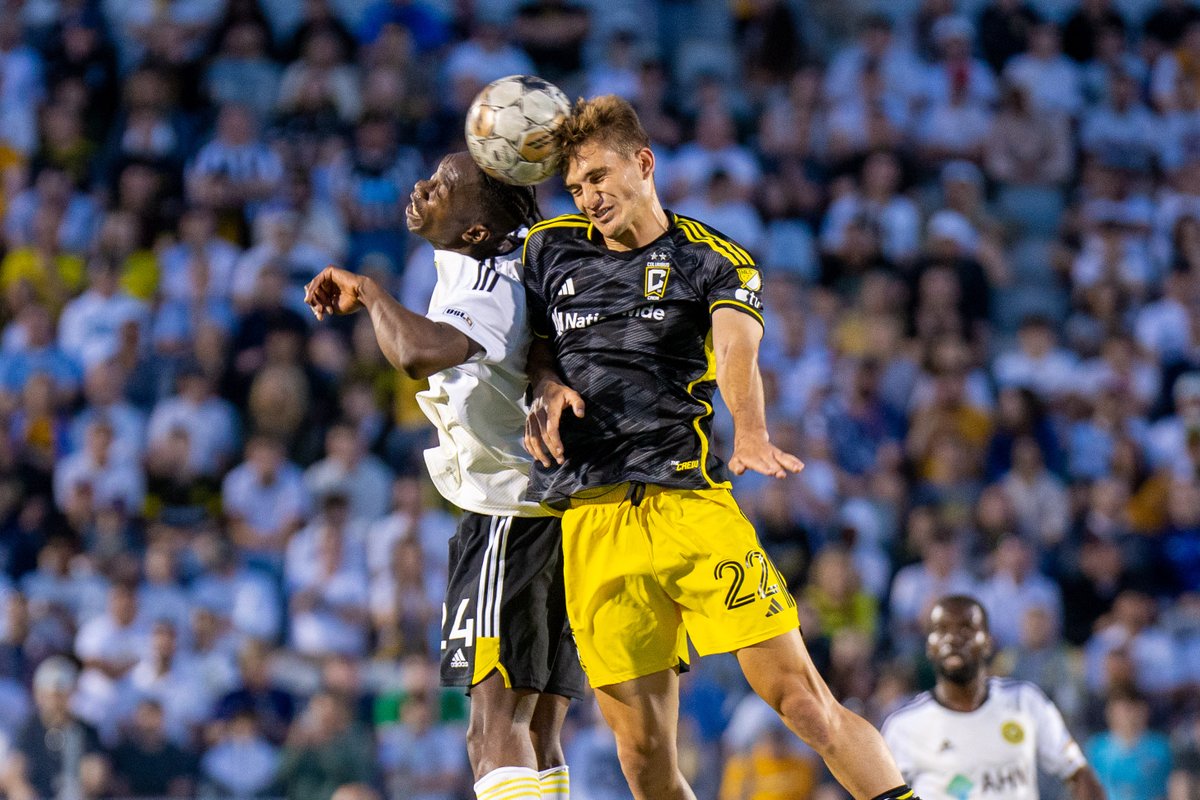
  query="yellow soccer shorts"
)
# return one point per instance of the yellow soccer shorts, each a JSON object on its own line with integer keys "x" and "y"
{"x": 644, "y": 572}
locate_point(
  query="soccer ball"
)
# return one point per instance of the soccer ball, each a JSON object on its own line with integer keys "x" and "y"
{"x": 511, "y": 125}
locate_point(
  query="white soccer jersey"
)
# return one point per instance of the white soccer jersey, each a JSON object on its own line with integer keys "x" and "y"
{"x": 478, "y": 407}
{"x": 992, "y": 753}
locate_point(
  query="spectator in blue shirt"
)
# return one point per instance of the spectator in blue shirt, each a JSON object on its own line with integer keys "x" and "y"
{"x": 1133, "y": 763}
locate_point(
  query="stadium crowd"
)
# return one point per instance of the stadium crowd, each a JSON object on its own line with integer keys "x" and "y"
{"x": 221, "y": 567}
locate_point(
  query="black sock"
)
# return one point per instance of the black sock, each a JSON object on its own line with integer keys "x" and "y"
{"x": 903, "y": 792}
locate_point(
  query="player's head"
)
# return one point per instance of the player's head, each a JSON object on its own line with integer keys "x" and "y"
{"x": 959, "y": 643}
{"x": 461, "y": 208}
{"x": 607, "y": 164}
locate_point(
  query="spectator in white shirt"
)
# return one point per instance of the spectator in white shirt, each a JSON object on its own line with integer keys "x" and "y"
{"x": 715, "y": 149}
{"x": 1163, "y": 327}
{"x": 411, "y": 517}
{"x": 109, "y": 646}
{"x": 327, "y": 585}
{"x": 1166, "y": 445}
{"x": 485, "y": 56}
{"x": 202, "y": 265}
{"x": 957, "y": 70}
{"x": 917, "y": 586}
{"x": 208, "y": 420}
{"x": 878, "y": 47}
{"x": 95, "y": 470}
{"x": 103, "y": 389}
{"x": 1039, "y": 499}
{"x": 243, "y": 763}
{"x": 406, "y": 601}
{"x": 322, "y": 76}
{"x": 723, "y": 207}
{"x": 236, "y": 172}
{"x": 265, "y": 499}
{"x": 1015, "y": 588}
{"x": 350, "y": 469}
{"x": 278, "y": 244}
{"x": 161, "y": 589}
{"x": 89, "y": 329}
{"x": 879, "y": 201}
{"x": 1052, "y": 80}
{"x": 1131, "y": 628}
{"x": 1122, "y": 131}
{"x": 169, "y": 676}
{"x": 1037, "y": 363}
{"x": 244, "y": 599}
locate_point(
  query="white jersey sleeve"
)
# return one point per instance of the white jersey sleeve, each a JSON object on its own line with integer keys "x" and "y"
{"x": 1057, "y": 751}
{"x": 484, "y": 300}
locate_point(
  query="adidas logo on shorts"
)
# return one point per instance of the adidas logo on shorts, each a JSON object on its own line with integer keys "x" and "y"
{"x": 458, "y": 660}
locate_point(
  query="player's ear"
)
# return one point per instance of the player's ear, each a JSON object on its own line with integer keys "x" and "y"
{"x": 476, "y": 234}
{"x": 645, "y": 159}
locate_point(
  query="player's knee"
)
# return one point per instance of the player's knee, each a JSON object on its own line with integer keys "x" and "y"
{"x": 644, "y": 754}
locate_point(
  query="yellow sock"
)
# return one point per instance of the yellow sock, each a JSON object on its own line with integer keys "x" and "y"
{"x": 509, "y": 783}
{"x": 555, "y": 783}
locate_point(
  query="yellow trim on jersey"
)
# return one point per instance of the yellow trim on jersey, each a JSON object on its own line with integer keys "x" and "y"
{"x": 696, "y": 232}
{"x": 710, "y": 374}
{"x": 754, "y": 312}
{"x": 563, "y": 221}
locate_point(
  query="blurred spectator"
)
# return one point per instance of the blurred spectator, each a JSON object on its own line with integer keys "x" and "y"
{"x": 325, "y": 750}
{"x": 169, "y": 676}
{"x": 1004, "y": 28}
{"x": 1131, "y": 628}
{"x": 56, "y": 753}
{"x": 207, "y": 421}
{"x": 371, "y": 188}
{"x": 272, "y": 709}
{"x": 553, "y": 33}
{"x": 265, "y": 499}
{"x": 322, "y": 77}
{"x": 352, "y": 471}
{"x": 1085, "y": 24}
{"x": 241, "y": 763}
{"x": 917, "y": 586}
{"x": 89, "y": 326}
{"x": 146, "y": 763}
{"x": 1133, "y": 763}
{"x": 242, "y": 73}
{"x": 422, "y": 758}
{"x": 235, "y": 172}
{"x": 108, "y": 478}
{"x": 1014, "y": 589}
{"x": 1026, "y": 148}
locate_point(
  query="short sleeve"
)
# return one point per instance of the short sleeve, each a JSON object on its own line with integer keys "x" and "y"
{"x": 732, "y": 280}
{"x": 487, "y": 307}
{"x": 898, "y": 743}
{"x": 537, "y": 307}
{"x": 1057, "y": 751}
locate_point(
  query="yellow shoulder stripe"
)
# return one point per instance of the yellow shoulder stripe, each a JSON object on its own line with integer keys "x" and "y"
{"x": 737, "y": 304}
{"x": 564, "y": 221}
{"x": 699, "y": 233}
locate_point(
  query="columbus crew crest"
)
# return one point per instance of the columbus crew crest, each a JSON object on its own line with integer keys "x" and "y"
{"x": 658, "y": 269}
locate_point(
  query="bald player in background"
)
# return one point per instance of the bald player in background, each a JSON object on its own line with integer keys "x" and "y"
{"x": 975, "y": 736}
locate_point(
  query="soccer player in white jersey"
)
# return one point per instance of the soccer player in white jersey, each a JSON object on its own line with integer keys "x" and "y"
{"x": 977, "y": 737}
{"x": 504, "y": 631}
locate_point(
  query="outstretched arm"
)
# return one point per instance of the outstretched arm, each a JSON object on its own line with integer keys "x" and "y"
{"x": 414, "y": 344}
{"x": 735, "y": 341}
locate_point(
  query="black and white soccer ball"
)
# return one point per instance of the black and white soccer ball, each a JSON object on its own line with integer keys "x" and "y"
{"x": 511, "y": 126}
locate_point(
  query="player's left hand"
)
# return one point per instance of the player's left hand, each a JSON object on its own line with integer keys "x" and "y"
{"x": 761, "y": 456}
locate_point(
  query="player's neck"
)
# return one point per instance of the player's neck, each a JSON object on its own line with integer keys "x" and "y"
{"x": 644, "y": 229}
{"x": 964, "y": 697}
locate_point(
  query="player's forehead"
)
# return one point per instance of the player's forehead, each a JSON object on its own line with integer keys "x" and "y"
{"x": 456, "y": 169}
{"x": 592, "y": 157}
{"x": 950, "y": 614}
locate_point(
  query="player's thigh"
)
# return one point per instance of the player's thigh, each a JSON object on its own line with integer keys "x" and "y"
{"x": 624, "y": 623}
{"x": 643, "y": 714}
{"x": 712, "y": 564}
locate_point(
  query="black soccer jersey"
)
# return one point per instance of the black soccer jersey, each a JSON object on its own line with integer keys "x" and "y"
{"x": 632, "y": 333}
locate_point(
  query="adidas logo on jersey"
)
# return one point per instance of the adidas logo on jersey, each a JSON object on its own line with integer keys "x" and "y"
{"x": 458, "y": 660}
{"x": 568, "y": 288}
{"x": 775, "y": 607}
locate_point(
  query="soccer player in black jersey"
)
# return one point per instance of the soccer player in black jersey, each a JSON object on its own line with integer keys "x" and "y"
{"x": 644, "y": 314}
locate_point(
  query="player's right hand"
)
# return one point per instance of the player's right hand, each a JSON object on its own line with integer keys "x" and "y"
{"x": 333, "y": 291}
{"x": 550, "y": 400}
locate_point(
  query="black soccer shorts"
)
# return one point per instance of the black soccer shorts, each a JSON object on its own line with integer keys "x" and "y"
{"x": 505, "y": 607}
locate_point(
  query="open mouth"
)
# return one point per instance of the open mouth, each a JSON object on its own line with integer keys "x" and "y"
{"x": 411, "y": 215}
{"x": 603, "y": 215}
